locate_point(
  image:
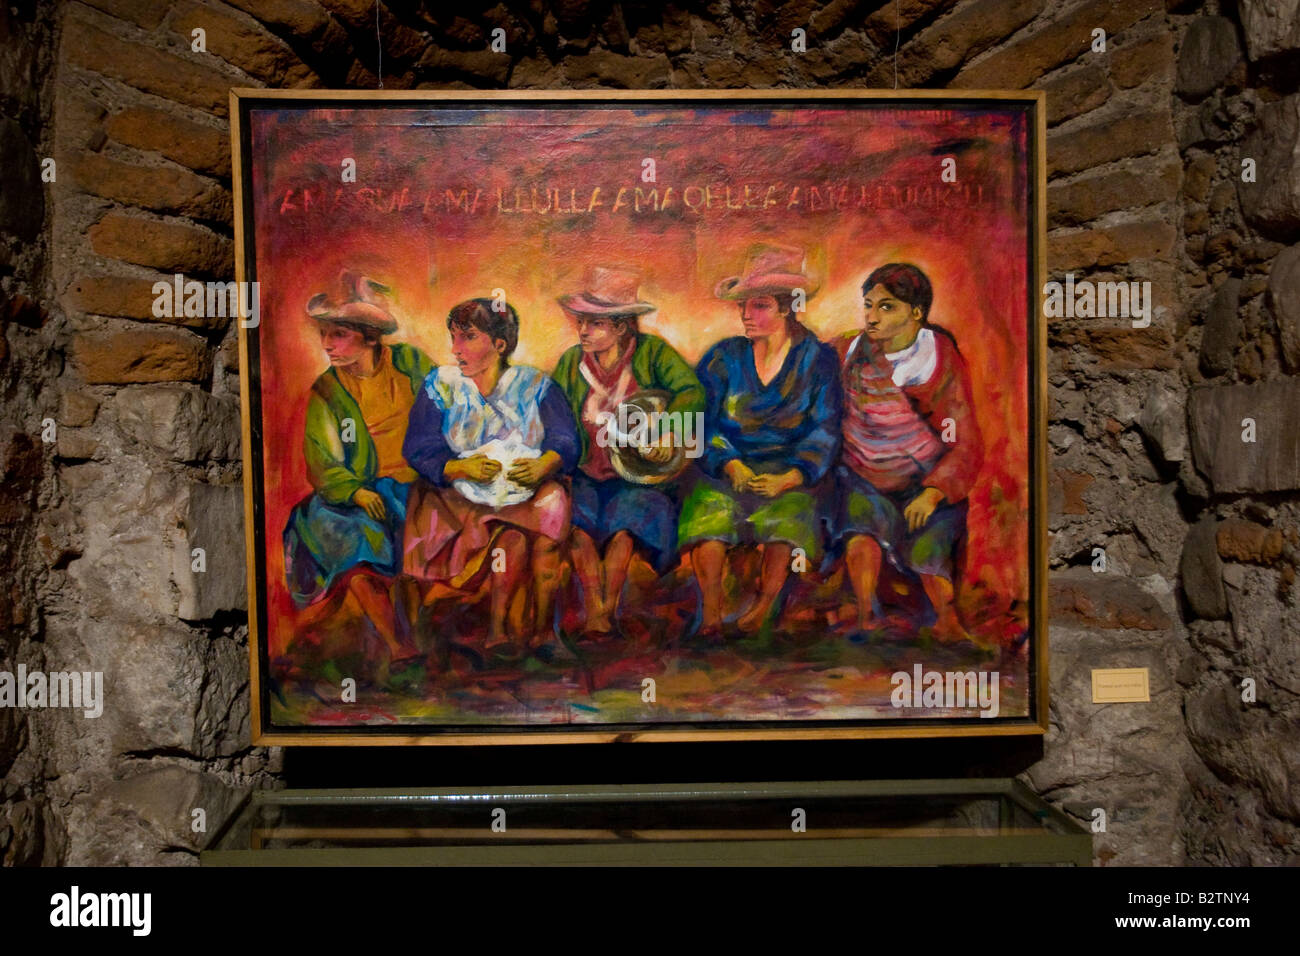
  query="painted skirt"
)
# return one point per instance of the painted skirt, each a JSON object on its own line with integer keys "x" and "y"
{"x": 714, "y": 511}
{"x": 449, "y": 538}
{"x": 603, "y": 508}
{"x": 861, "y": 508}
{"x": 323, "y": 541}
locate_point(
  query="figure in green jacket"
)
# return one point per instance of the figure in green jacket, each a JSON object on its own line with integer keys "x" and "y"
{"x": 618, "y": 499}
{"x": 345, "y": 539}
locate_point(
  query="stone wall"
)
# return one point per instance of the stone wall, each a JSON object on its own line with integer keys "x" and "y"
{"x": 1147, "y": 461}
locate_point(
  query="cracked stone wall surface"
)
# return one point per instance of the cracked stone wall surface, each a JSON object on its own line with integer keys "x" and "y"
{"x": 1147, "y": 460}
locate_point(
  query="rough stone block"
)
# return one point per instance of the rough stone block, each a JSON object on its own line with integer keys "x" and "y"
{"x": 1245, "y": 742}
{"x": 1271, "y": 26}
{"x": 193, "y": 145}
{"x": 1074, "y": 93}
{"x": 963, "y": 34}
{"x": 1233, "y": 466}
{"x": 1083, "y": 597}
{"x": 143, "y": 13}
{"x": 1198, "y": 176}
{"x": 160, "y": 188}
{"x": 1272, "y": 202}
{"x": 1017, "y": 64}
{"x": 183, "y": 422}
{"x": 77, "y": 408}
{"x": 144, "y": 355}
{"x": 603, "y": 68}
{"x": 1222, "y": 328}
{"x": 1208, "y": 54}
{"x": 1202, "y": 572}
{"x": 170, "y": 247}
{"x": 1163, "y": 421}
{"x": 358, "y": 14}
{"x": 481, "y": 64}
{"x": 1125, "y": 757}
{"x": 1129, "y": 134}
{"x": 1073, "y": 484}
{"x": 1123, "y": 348}
{"x": 215, "y": 523}
{"x": 78, "y": 121}
{"x": 1284, "y": 298}
{"x": 1265, "y": 629}
{"x": 883, "y": 23}
{"x": 1150, "y": 57}
{"x": 144, "y": 67}
{"x": 1240, "y": 540}
{"x": 302, "y": 19}
{"x": 141, "y": 523}
{"x": 152, "y": 676}
{"x": 1130, "y": 241}
{"x": 112, "y": 295}
{"x": 145, "y": 818}
{"x": 1094, "y": 194}
{"x": 246, "y": 45}
{"x": 130, "y": 516}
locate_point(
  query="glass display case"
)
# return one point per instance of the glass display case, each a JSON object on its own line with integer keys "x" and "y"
{"x": 891, "y": 822}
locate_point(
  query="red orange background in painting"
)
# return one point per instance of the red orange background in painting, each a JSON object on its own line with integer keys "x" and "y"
{"x": 455, "y": 202}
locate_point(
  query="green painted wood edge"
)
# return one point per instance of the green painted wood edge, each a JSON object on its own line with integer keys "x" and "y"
{"x": 805, "y": 851}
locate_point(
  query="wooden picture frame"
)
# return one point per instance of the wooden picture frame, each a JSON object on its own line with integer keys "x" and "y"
{"x": 358, "y": 210}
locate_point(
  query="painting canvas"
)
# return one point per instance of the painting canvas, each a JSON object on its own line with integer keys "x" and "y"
{"x": 599, "y": 417}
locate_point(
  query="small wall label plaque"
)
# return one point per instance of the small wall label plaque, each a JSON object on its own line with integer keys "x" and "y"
{"x": 1120, "y": 685}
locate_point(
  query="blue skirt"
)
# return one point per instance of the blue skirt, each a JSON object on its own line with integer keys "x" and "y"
{"x": 603, "y": 508}
{"x": 323, "y": 541}
{"x": 861, "y": 508}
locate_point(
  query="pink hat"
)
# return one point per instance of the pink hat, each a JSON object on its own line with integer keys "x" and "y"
{"x": 608, "y": 291}
{"x": 360, "y": 303}
{"x": 769, "y": 270}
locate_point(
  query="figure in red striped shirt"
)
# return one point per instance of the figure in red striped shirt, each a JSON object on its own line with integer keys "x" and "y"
{"x": 911, "y": 449}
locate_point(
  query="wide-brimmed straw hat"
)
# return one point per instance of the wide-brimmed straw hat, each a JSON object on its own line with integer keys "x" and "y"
{"x": 357, "y": 301}
{"x": 769, "y": 270}
{"x": 607, "y": 291}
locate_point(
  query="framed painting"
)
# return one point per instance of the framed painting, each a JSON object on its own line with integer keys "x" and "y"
{"x": 589, "y": 417}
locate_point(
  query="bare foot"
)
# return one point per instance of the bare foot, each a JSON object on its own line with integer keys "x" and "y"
{"x": 948, "y": 629}
{"x": 752, "y": 620}
{"x": 869, "y": 621}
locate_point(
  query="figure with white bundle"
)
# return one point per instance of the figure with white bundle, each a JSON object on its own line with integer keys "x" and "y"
{"x": 489, "y": 441}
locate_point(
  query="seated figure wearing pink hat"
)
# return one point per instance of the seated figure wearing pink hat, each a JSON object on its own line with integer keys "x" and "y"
{"x": 772, "y": 428}
{"x": 603, "y": 376}
{"x": 344, "y": 541}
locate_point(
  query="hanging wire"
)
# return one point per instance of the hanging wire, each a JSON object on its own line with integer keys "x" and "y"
{"x": 379, "y": 45}
{"x": 898, "y": 31}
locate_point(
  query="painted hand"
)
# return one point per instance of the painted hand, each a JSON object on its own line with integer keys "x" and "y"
{"x": 770, "y": 486}
{"x": 658, "y": 453}
{"x": 371, "y": 503}
{"x": 739, "y": 474}
{"x": 532, "y": 471}
{"x": 921, "y": 507}
{"x": 479, "y": 468}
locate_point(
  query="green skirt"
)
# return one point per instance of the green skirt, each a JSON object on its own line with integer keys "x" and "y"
{"x": 714, "y": 511}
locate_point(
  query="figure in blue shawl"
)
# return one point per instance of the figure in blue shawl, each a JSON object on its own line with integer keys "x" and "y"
{"x": 772, "y": 426}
